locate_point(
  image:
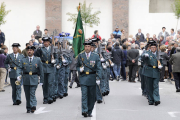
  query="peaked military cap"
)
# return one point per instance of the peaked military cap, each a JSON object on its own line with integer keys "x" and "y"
{"x": 31, "y": 47}
{"x": 154, "y": 44}
{"x": 151, "y": 42}
{"x": 87, "y": 43}
{"x": 16, "y": 45}
{"x": 46, "y": 39}
{"x": 95, "y": 39}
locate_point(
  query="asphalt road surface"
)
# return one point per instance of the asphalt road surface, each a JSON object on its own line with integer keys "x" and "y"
{"x": 124, "y": 102}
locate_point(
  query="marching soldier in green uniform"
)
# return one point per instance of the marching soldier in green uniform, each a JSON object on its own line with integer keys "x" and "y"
{"x": 14, "y": 60}
{"x": 152, "y": 73}
{"x": 30, "y": 67}
{"x": 95, "y": 49}
{"x": 89, "y": 67}
{"x": 48, "y": 59}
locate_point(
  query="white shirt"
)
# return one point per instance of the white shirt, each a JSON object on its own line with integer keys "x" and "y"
{"x": 16, "y": 55}
{"x": 47, "y": 48}
{"x": 95, "y": 50}
{"x": 163, "y": 33}
{"x": 88, "y": 53}
{"x": 37, "y": 31}
{"x": 139, "y": 33}
{"x": 31, "y": 58}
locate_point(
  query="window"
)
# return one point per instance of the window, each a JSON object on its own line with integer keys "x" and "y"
{"x": 160, "y": 6}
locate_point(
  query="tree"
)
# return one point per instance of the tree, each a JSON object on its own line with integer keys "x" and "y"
{"x": 88, "y": 19}
{"x": 176, "y": 10}
{"x": 3, "y": 13}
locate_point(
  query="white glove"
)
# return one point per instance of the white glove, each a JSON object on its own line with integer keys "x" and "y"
{"x": 104, "y": 66}
{"x": 9, "y": 70}
{"x": 98, "y": 82}
{"x": 40, "y": 45}
{"x": 81, "y": 69}
{"x": 160, "y": 66}
{"x": 63, "y": 60}
{"x": 54, "y": 65}
{"x": 107, "y": 63}
{"x": 40, "y": 84}
{"x": 112, "y": 64}
{"x": 146, "y": 55}
{"x": 102, "y": 59}
{"x": 58, "y": 66}
{"x": 53, "y": 61}
{"x": 19, "y": 78}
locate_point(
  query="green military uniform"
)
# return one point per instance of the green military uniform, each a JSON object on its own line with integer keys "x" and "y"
{"x": 14, "y": 62}
{"x": 152, "y": 73}
{"x": 49, "y": 72}
{"x": 92, "y": 66}
{"x": 30, "y": 67}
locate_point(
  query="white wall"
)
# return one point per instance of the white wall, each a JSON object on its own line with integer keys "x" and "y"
{"x": 139, "y": 17}
{"x": 105, "y": 26}
{"x": 22, "y": 20}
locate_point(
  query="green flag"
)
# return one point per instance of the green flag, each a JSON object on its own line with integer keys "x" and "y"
{"x": 78, "y": 38}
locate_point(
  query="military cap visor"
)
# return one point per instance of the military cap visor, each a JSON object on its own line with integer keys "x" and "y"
{"x": 93, "y": 45}
{"x": 16, "y": 45}
{"x": 31, "y": 47}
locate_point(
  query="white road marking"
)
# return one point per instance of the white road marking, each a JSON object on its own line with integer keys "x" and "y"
{"x": 159, "y": 88}
{"x": 172, "y": 114}
{"x": 124, "y": 110}
{"x": 40, "y": 110}
{"x": 94, "y": 113}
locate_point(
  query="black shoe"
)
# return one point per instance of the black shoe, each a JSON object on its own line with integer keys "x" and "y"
{"x": 45, "y": 102}
{"x": 107, "y": 92}
{"x": 54, "y": 99}
{"x": 50, "y": 101}
{"x": 65, "y": 94}
{"x": 28, "y": 111}
{"x": 85, "y": 114}
{"x": 99, "y": 101}
{"x": 2, "y": 91}
{"x": 157, "y": 103}
{"x": 18, "y": 102}
{"x": 151, "y": 103}
{"x": 33, "y": 109}
{"x": 178, "y": 90}
{"x": 117, "y": 78}
{"x": 61, "y": 97}
{"x": 89, "y": 115}
{"x": 103, "y": 94}
{"x": 70, "y": 86}
{"x": 14, "y": 103}
{"x": 161, "y": 81}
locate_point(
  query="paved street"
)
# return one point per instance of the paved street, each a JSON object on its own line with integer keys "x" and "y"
{"x": 123, "y": 103}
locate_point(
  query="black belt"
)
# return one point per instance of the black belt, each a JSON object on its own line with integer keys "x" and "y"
{"x": 30, "y": 73}
{"x": 152, "y": 66}
{"x": 15, "y": 68}
{"x": 141, "y": 66}
{"x": 87, "y": 73}
{"x": 47, "y": 62}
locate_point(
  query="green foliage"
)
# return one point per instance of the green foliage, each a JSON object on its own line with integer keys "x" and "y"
{"x": 3, "y": 13}
{"x": 86, "y": 16}
{"x": 176, "y": 8}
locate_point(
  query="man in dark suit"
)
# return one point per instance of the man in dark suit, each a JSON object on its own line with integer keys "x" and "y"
{"x": 174, "y": 60}
{"x": 132, "y": 55}
{"x": 174, "y": 48}
{"x": 37, "y": 33}
{"x": 141, "y": 36}
{"x": 2, "y": 38}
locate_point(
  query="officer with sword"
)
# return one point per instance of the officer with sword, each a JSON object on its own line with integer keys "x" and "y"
{"x": 89, "y": 67}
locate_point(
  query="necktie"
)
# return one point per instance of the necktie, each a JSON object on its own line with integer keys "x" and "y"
{"x": 30, "y": 60}
{"x": 87, "y": 55}
{"x": 15, "y": 57}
